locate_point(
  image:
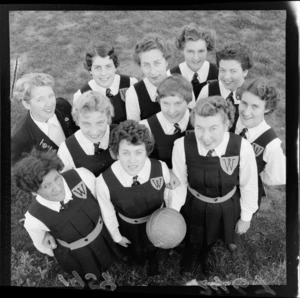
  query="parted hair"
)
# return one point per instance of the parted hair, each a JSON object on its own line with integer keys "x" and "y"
{"x": 134, "y": 133}
{"x": 264, "y": 89}
{"x": 175, "y": 85}
{"x": 24, "y": 85}
{"x": 236, "y": 51}
{"x": 152, "y": 41}
{"x": 211, "y": 106}
{"x": 91, "y": 101}
{"x": 101, "y": 49}
{"x": 29, "y": 172}
{"x": 192, "y": 32}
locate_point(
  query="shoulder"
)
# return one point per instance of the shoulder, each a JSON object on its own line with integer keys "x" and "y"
{"x": 85, "y": 174}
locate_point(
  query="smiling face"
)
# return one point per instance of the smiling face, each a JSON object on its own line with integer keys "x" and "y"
{"x": 251, "y": 110}
{"x": 103, "y": 71}
{"x": 210, "y": 130}
{"x": 52, "y": 187}
{"x": 93, "y": 124}
{"x": 231, "y": 74}
{"x": 132, "y": 157}
{"x": 173, "y": 108}
{"x": 195, "y": 53}
{"x": 154, "y": 66}
{"x": 42, "y": 103}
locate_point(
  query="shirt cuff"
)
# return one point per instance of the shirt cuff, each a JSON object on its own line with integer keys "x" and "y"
{"x": 246, "y": 216}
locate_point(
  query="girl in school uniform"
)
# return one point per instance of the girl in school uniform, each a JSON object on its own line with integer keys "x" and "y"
{"x": 218, "y": 175}
{"x": 259, "y": 97}
{"x": 88, "y": 147}
{"x": 131, "y": 190}
{"x": 195, "y": 42}
{"x": 233, "y": 61}
{"x": 48, "y": 121}
{"x": 101, "y": 61}
{"x": 66, "y": 213}
{"x": 174, "y": 94}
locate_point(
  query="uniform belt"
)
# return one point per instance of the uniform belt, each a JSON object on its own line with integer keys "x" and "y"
{"x": 85, "y": 240}
{"x": 212, "y": 200}
{"x": 137, "y": 220}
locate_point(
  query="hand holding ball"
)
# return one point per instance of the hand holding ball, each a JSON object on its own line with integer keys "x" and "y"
{"x": 166, "y": 228}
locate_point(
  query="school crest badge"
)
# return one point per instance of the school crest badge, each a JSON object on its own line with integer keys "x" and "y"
{"x": 157, "y": 182}
{"x": 80, "y": 190}
{"x": 258, "y": 150}
{"x": 228, "y": 164}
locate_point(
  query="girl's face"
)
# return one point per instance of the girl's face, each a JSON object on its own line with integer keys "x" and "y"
{"x": 93, "y": 124}
{"x": 42, "y": 103}
{"x": 154, "y": 66}
{"x": 231, "y": 74}
{"x": 251, "y": 110}
{"x": 132, "y": 157}
{"x": 210, "y": 130}
{"x": 103, "y": 71}
{"x": 173, "y": 108}
{"x": 52, "y": 187}
{"x": 195, "y": 53}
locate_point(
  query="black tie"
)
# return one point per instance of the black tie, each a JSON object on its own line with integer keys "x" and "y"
{"x": 209, "y": 153}
{"x": 177, "y": 128}
{"x": 243, "y": 133}
{"x": 63, "y": 206}
{"x": 108, "y": 93}
{"x": 135, "y": 181}
{"x": 230, "y": 98}
{"x": 97, "y": 149}
{"x": 194, "y": 79}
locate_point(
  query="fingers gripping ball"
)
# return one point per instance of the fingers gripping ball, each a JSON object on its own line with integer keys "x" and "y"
{"x": 166, "y": 228}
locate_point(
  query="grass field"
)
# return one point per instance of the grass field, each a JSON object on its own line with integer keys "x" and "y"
{"x": 54, "y": 42}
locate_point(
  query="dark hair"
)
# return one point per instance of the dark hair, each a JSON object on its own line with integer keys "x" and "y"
{"x": 264, "y": 89}
{"x": 176, "y": 85}
{"x": 149, "y": 42}
{"x": 101, "y": 49}
{"x": 211, "y": 106}
{"x": 133, "y": 132}
{"x": 236, "y": 51}
{"x": 192, "y": 32}
{"x": 29, "y": 172}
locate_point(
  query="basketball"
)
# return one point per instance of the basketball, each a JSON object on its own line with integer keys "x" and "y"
{"x": 166, "y": 228}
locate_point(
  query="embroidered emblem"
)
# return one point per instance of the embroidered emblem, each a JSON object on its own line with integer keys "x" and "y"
{"x": 80, "y": 190}
{"x": 122, "y": 93}
{"x": 67, "y": 119}
{"x": 228, "y": 164}
{"x": 45, "y": 145}
{"x": 157, "y": 182}
{"x": 258, "y": 150}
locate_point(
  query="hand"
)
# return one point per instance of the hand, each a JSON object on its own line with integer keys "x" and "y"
{"x": 174, "y": 181}
{"x": 49, "y": 241}
{"x": 242, "y": 227}
{"x": 124, "y": 242}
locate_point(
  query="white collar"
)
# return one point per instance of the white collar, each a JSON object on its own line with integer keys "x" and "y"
{"x": 114, "y": 87}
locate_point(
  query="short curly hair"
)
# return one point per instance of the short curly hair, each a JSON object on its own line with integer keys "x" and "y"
{"x": 175, "y": 85}
{"x": 133, "y": 132}
{"x": 193, "y": 32}
{"x": 236, "y": 51}
{"x": 211, "y": 106}
{"x": 264, "y": 89}
{"x": 152, "y": 41}
{"x": 91, "y": 101}
{"x": 101, "y": 49}
{"x": 29, "y": 172}
{"x": 24, "y": 85}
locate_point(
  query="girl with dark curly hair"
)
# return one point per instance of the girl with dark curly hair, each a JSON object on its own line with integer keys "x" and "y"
{"x": 259, "y": 97}
{"x": 131, "y": 190}
{"x": 218, "y": 175}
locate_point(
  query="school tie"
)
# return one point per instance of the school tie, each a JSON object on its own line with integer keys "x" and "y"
{"x": 210, "y": 153}
{"x": 177, "y": 128}
{"x": 63, "y": 206}
{"x": 135, "y": 181}
{"x": 230, "y": 98}
{"x": 243, "y": 133}
{"x": 97, "y": 149}
{"x": 108, "y": 93}
{"x": 195, "y": 80}
{"x": 56, "y": 134}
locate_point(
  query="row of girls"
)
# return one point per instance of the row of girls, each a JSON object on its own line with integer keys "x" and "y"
{"x": 193, "y": 138}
